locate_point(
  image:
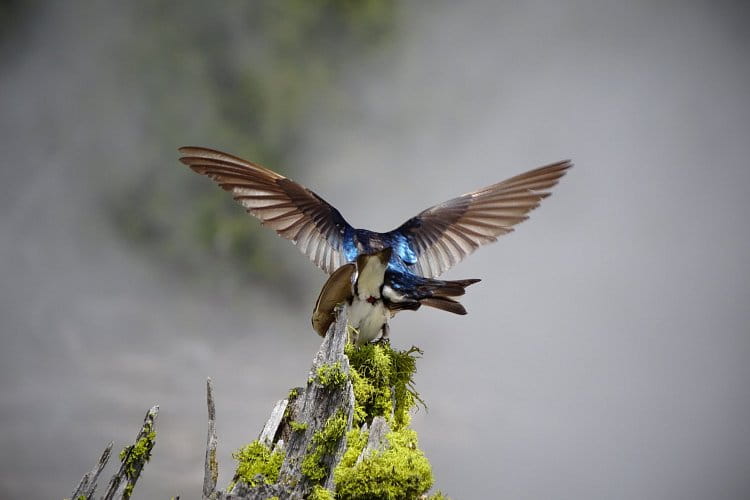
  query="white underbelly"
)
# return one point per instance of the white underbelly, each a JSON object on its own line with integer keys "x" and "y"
{"x": 368, "y": 319}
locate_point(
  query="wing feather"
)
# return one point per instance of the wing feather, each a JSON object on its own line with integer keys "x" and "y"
{"x": 336, "y": 290}
{"x": 293, "y": 211}
{"x": 443, "y": 235}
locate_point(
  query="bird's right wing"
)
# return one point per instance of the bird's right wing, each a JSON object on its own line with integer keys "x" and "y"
{"x": 293, "y": 211}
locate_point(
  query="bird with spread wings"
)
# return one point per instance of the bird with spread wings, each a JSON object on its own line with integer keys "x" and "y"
{"x": 422, "y": 248}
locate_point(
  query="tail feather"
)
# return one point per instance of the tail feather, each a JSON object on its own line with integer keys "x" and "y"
{"x": 426, "y": 291}
{"x": 446, "y": 304}
{"x": 407, "y": 305}
{"x": 439, "y": 288}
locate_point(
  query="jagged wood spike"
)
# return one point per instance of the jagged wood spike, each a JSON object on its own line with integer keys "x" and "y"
{"x": 273, "y": 422}
{"x": 211, "y": 471}
{"x": 123, "y": 481}
{"x": 376, "y": 440}
{"x": 87, "y": 486}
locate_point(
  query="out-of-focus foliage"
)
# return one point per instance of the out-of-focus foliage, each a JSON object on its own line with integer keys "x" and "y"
{"x": 13, "y": 15}
{"x": 243, "y": 76}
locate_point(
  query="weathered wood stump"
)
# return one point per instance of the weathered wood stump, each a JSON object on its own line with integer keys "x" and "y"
{"x": 302, "y": 450}
{"x": 310, "y": 427}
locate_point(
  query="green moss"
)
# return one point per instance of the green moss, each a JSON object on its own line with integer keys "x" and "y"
{"x": 138, "y": 453}
{"x": 330, "y": 375}
{"x": 382, "y": 379}
{"x": 438, "y": 496}
{"x": 297, "y": 426}
{"x": 356, "y": 440}
{"x": 323, "y": 443}
{"x": 383, "y": 383}
{"x": 320, "y": 493}
{"x": 255, "y": 459}
{"x": 291, "y": 398}
{"x": 401, "y": 471}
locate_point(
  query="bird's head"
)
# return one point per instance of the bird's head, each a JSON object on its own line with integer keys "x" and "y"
{"x": 382, "y": 258}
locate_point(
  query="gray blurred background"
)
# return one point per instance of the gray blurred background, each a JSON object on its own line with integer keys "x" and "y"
{"x": 605, "y": 351}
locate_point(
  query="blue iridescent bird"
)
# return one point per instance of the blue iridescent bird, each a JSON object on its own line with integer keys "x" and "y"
{"x": 422, "y": 248}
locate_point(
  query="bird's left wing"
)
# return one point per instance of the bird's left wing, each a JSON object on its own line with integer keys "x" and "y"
{"x": 292, "y": 210}
{"x": 443, "y": 235}
{"x": 337, "y": 289}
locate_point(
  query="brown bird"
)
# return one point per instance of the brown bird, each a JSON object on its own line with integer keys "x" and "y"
{"x": 366, "y": 287}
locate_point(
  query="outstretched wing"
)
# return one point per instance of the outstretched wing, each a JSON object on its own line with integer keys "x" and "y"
{"x": 443, "y": 235}
{"x": 292, "y": 210}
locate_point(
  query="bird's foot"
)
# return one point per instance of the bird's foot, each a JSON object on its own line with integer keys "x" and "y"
{"x": 384, "y": 341}
{"x": 384, "y": 336}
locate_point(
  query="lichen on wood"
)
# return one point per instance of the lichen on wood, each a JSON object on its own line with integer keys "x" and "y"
{"x": 211, "y": 468}
{"x": 132, "y": 460}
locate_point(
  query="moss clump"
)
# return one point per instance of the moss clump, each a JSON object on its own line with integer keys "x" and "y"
{"x": 438, "y": 495}
{"x": 356, "y": 440}
{"x": 330, "y": 375}
{"x": 297, "y": 426}
{"x": 323, "y": 443}
{"x": 320, "y": 493}
{"x": 401, "y": 471}
{"x": 383, "y": 383}
{"x": 254, "y": 460}
{"x": 382, "y": 379}
{"x": 291, "y": 398}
